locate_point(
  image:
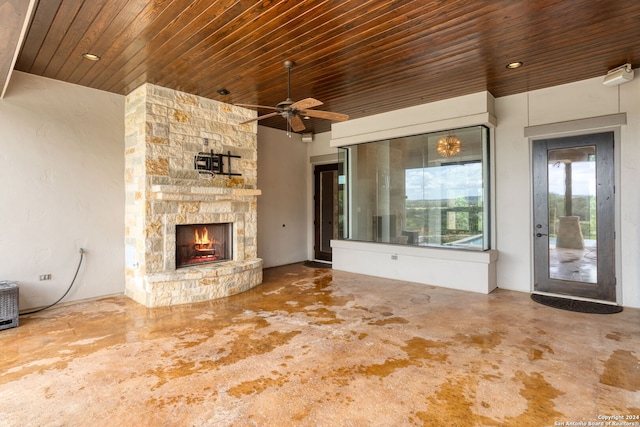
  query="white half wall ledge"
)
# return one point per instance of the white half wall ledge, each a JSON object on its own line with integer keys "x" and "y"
{"x": 469, "y": 110}
{"x": 465, "y": 270}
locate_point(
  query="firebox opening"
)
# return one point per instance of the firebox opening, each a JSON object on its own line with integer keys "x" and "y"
{"x": 203, "y": 243}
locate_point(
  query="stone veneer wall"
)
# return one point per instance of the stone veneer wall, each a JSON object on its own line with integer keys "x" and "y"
{"x": 164, "y": 130}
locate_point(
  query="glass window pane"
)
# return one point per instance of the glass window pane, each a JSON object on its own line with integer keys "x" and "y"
{"x": 420, "y": 190}
{"x": 572, "y": 214}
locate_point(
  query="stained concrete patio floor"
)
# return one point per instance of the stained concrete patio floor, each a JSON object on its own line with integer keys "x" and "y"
{"x": 317, "y": 347}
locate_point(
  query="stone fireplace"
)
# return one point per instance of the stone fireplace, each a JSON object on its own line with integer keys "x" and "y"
{"x": 165, "y": 194}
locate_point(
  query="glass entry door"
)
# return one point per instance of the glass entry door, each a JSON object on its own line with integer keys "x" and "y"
{"x": 574, "y": 229}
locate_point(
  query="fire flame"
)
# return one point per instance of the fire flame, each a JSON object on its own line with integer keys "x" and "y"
{"x": 202, "y": 239}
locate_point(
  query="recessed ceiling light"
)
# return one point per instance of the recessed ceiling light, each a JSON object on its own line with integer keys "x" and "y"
{"x": 514, "y": 65}
{"x": 307, "y": 118}
{"x": 223, "y": 92}
{"x": 91, "y": 56}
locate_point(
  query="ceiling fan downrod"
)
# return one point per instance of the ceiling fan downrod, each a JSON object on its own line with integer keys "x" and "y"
{"x": 289, "y": 65}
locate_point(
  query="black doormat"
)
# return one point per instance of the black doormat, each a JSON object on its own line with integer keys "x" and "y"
{"x": 576, "y": 305}
{"x": 315, "y": 264}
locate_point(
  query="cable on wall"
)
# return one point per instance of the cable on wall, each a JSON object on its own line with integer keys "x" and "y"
{"x": 67, "y": 291}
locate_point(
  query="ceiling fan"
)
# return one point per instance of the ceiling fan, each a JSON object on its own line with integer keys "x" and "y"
{"x": 294, "y": 111}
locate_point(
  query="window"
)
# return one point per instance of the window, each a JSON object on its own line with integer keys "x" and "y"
{"x": 425, "y": 190}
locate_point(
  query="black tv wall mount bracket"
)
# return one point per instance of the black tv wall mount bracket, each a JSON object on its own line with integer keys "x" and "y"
{"x": 214, "y": 164}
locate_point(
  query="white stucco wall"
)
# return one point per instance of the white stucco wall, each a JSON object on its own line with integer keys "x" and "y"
{"x": 282, "y": 207}
{"x": 320, "y": 146}
{"x": 61, "y": 168}
{"x": 575, "y": 101}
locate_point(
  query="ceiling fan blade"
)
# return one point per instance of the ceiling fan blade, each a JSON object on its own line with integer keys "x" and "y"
{"x": 256, "y": 106}
{"x": 306, "y": 103}
{"x": 337, "y": 117}
{"x": 275, "y": 113}
{"x": 296, "y": 123}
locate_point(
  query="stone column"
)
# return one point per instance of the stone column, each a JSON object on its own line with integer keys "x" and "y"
{"x": 164, "y": 130}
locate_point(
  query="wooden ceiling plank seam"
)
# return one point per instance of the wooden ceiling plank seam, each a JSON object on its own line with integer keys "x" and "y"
{"x": 403, "y": 36}
{"x": 498, "y": 92}
{"x": 575, "y": 28}
{"x": 498, "y": 67}
{"x": 74, "y": 35}
{"x": 425, "y": 66}
{"x": 354, "y": 30}
{"x": 123, "y": 40}
{"x": 134, "y": 54}
{"x": 291, "y": 53}
{"x": 190, "y": 56}
{"x": 397, "y": 88}
{"x": 38, "y": 29}
{"x": 230, "y": 14}
{"x": 63, "y": 19}
{"x": 364, "y": 43}
{"x": 414, "y": 79}
{"x": 186, "y": 61}
{"x": 124, "y": 22}
{"x": 315, "y": 47}
{"x": 401, "y": 41}
{"x": 259, "y": 51}
{"x": 261, "y": 55}
{"x": 107, "y": 14}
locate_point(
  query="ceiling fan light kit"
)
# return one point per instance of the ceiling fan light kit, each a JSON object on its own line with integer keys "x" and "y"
{"x": 292, "y": 111}
{"x": 618, "y": 75}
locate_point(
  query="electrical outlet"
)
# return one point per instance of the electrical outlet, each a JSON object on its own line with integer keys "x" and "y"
{"x": 394, "y": 257}
{"x": 45, "y": 277}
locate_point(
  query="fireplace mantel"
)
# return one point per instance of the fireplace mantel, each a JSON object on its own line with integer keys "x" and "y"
{"x": 199, "y": 193}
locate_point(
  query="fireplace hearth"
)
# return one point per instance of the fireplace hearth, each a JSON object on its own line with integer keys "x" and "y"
{"x": 203, "y": 244}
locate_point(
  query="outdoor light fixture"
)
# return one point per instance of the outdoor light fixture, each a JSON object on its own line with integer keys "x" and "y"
{"x": 449, "y": 146}
{"x": 619, "y": 75}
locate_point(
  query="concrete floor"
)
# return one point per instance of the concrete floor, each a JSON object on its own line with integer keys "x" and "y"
{"x": 316, "y": 347}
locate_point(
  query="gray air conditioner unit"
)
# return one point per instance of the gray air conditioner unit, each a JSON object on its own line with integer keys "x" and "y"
{"x": 8, "y": 305}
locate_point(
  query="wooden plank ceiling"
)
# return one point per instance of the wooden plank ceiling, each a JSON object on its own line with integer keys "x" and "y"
{"x": 360, "y": 57}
